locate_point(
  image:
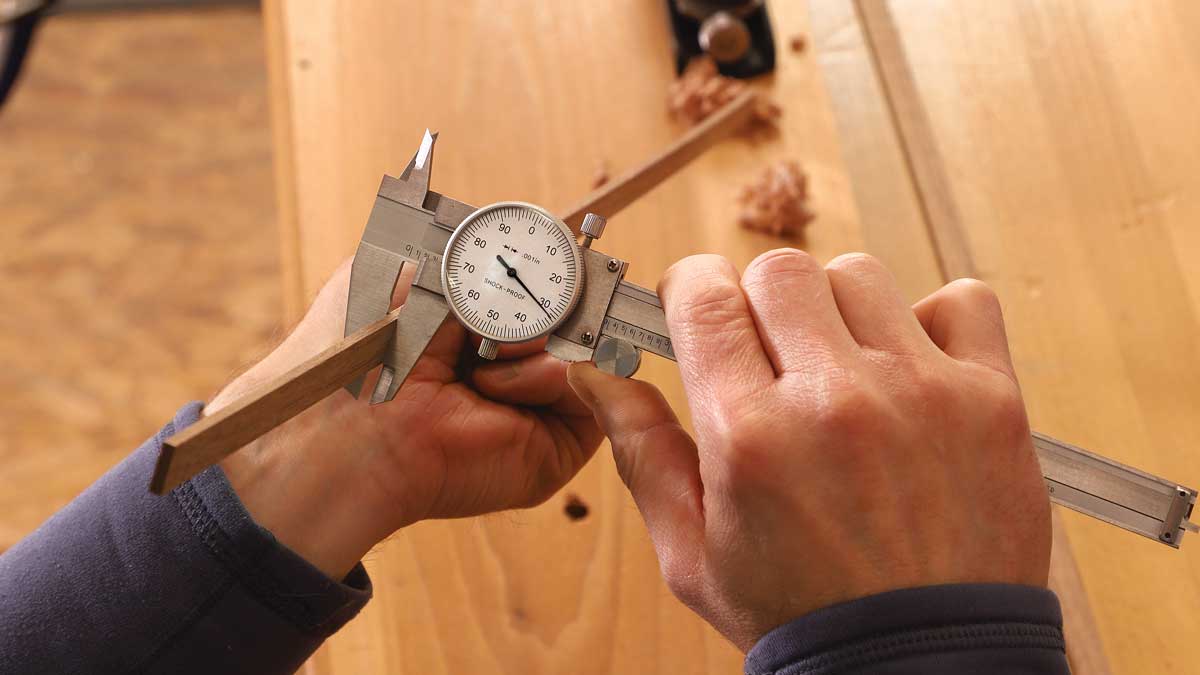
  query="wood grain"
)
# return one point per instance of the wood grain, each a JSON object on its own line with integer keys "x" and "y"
{"x": 526, "y": 109}
{"x": 943, "y": 221}
{"x": 918, "y": 144}
{"x": 1066, "y": 132}
{"x": 270, "y": 404}
{"x": 887, "y": 201}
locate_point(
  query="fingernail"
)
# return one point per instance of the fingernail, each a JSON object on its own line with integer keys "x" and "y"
{"x": 582, "y": 378}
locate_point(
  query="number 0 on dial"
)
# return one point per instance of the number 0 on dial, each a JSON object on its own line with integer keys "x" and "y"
{"x": 512, "y": 272}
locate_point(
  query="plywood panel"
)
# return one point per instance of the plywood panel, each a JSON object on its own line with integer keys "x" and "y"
{"x": 528, "y": 101}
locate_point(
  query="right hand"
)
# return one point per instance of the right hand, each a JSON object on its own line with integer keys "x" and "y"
{"x": 846, "y": 444}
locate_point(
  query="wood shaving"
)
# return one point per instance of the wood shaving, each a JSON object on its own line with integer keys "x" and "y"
{"x": 701, "y": 90}
{"x": 777, "y": 201}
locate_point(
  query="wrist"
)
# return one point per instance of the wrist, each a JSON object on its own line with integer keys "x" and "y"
{"x": 298, "y": 482}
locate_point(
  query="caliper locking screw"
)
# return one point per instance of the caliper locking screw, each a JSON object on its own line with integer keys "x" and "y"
{"x": 586, "y": 338}
{"x": 613, "y": 265}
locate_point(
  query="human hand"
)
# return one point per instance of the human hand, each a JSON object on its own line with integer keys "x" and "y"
{"x": 343, "y": 475}
{"x": 846, "y": 444}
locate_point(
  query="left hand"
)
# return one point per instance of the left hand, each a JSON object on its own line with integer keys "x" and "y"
{"x": 343, "y": 475}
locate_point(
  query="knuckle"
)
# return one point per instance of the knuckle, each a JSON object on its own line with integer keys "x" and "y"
{"x": 847, "y": 412}
{"x": 746, "y": 450}
{"x": 1009, "y": 420}
{"x": 931, "y": 383}
{"x": 710, "y": 299}
{"x": 974, "y": 293}
{"x": 780, "y": 262}
{"x": 683, "y": 273}
{"x": 749, "y": 451}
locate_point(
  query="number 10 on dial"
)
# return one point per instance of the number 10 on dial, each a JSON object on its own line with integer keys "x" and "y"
{"x": 512, "y": 272}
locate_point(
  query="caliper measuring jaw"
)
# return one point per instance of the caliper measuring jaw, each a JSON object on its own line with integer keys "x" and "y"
{"x": 399, "y": 231}
{"x": 411, "y": 224}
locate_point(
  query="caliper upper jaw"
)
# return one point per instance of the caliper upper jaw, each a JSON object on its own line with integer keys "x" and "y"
{"x": 376, "y": 269}
{"x": 415, "y": 178}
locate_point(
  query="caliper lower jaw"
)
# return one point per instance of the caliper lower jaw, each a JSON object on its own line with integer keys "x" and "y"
{"x": 375, "y": 272}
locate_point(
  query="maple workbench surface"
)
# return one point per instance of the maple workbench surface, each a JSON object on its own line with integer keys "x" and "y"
{"x": 1046, "y": 147}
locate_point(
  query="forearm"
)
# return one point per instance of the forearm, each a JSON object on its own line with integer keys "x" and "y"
{"x": 123, "y": 581}
{"x": 937, "y": 630}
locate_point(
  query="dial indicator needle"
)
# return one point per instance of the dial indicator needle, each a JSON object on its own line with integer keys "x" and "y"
{"x": 512, "y": 272}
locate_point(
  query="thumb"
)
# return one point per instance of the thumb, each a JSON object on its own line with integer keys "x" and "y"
{"x": 656, "y": 458}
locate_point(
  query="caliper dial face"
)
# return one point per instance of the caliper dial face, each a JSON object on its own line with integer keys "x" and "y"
{"x": 512, "y": 272}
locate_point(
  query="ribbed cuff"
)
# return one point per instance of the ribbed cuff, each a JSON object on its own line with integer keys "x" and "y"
{"x": 912, "y": 622}
{"x": 272, "y": 573}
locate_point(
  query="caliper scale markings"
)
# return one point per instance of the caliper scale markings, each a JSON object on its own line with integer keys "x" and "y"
{"x": 515, "y": 269}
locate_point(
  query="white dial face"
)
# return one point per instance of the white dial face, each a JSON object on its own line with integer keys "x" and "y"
{"x": 512, "y": 272}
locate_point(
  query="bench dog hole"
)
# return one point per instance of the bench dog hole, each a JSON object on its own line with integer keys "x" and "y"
{"x": 575, "y": 508}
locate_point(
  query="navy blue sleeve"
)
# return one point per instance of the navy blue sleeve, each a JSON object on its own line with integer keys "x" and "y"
{"x": 123, "y": 581}
{"x": 984, "y": 629}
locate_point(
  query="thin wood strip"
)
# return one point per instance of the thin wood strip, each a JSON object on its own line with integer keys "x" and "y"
{"x": 943, "y": 220}
{"x": 212, "y": 438}
{"x": 918, "y": 144}
{"x": 610, "y": 198}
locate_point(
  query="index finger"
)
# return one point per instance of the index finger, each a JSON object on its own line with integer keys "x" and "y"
{"x": 712, "y": 331}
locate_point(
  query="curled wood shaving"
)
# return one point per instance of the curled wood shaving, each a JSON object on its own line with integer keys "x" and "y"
{"x": 701, "y": 90}
{"x": 777, "y": 201}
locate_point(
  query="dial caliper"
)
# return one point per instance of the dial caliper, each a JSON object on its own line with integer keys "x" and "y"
{"x": 510, "y": 272}
{"x": 513, "y": 272}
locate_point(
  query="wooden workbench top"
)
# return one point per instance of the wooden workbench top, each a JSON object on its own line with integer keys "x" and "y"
{"x": 1052, "y": 165}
